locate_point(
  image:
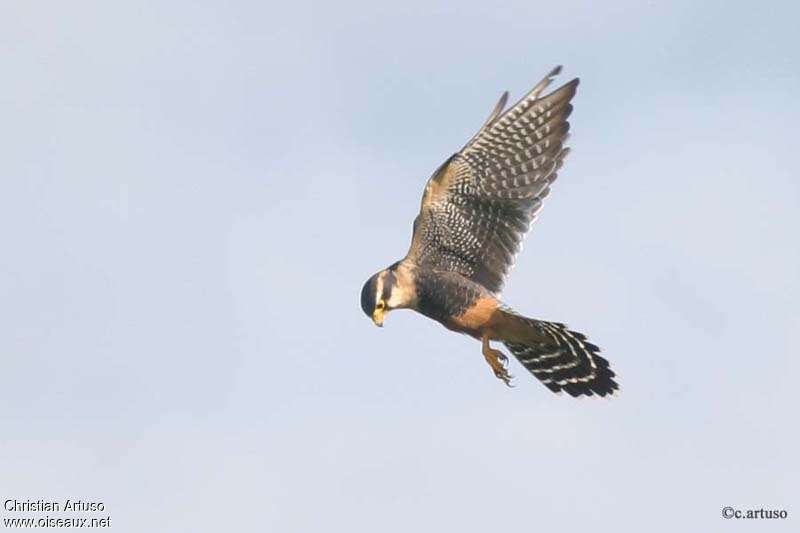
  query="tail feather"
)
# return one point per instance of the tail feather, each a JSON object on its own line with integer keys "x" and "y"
{"x": 563, "y": 359}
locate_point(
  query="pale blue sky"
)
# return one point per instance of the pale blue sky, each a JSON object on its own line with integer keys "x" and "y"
{"x": 192, "y": 195}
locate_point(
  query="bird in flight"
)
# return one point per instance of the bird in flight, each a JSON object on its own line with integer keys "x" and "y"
{"x": 475, "y": 211}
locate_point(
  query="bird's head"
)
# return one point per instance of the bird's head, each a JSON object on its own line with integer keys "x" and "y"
{"x": 388, "y": 289}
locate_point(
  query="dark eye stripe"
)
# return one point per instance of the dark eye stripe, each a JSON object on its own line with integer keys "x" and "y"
{"x": 388, "y": 282}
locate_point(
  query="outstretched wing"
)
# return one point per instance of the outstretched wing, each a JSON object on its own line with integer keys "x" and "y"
{"x": 480, "y": 203}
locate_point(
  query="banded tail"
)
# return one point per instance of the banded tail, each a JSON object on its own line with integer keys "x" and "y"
{"x": 560, "y": 358}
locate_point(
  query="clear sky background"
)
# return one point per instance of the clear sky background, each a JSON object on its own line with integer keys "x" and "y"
{"x": 192, "y": 194}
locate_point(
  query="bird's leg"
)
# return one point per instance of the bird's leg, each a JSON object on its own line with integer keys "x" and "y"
{"x": 497, "y": 360}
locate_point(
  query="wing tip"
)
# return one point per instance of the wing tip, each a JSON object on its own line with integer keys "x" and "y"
{"x": 501, "y": 105}
{"x": 557, "y": 70}
{"x": 574, "y": 82}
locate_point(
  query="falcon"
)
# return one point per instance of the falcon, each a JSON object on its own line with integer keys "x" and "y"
{"x": 475, "y": 211}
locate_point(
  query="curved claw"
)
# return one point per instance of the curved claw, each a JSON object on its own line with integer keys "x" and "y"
{"x": 505, "y": 377}
{"x": 497, "y": 361}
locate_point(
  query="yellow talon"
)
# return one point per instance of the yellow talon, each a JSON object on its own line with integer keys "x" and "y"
{"x": 496, "y": 360}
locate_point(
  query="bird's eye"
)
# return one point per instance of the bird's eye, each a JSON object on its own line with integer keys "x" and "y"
{"x": 380, "y": 304}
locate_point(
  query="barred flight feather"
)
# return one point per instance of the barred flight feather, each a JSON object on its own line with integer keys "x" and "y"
{"x": 564, "y": 360}
{"x": 481, "y": 202}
